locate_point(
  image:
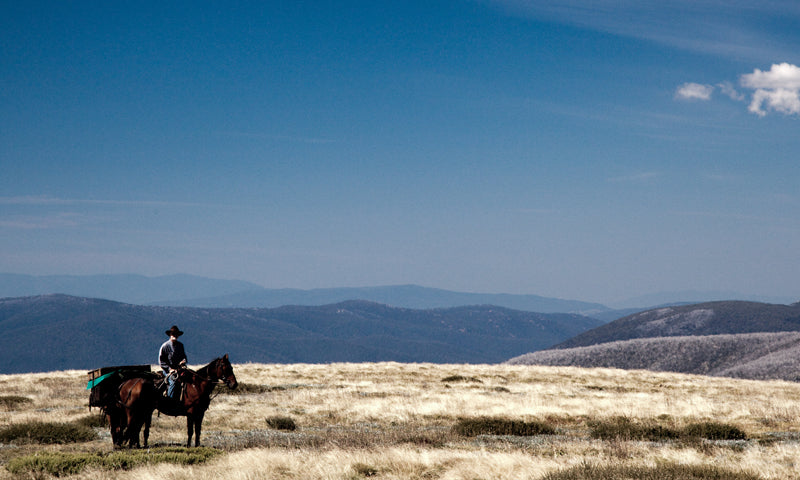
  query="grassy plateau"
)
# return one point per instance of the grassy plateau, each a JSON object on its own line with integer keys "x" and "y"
{"x": 422, "y": 421}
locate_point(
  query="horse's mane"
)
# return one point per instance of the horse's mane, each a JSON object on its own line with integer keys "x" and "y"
{"x": 204, "y": 371}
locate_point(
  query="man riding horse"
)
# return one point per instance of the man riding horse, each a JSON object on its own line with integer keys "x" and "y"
{"x": 172, "y": 359}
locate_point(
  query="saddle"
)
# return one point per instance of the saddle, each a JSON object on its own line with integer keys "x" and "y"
{"x": 162, "y": 387}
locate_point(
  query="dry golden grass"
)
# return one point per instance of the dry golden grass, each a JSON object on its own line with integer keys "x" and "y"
{"x": 394, "y": 421}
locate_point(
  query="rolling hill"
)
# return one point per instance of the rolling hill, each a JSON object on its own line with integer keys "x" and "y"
{"x": 757, "y": 356}
{"x": 54, "y": 332}
{"x": 711, "y": 318}
{"x": 735, "y": 339}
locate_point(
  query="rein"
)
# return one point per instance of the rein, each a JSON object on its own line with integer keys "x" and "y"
{"x": 223, "y": 380}
{"x": 219, "y": 381}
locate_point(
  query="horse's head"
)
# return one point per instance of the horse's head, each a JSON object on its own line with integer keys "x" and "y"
{"x": 223, "y": 371}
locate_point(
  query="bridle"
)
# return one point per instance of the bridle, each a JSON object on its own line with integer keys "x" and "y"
{"x": 221, "y": 379}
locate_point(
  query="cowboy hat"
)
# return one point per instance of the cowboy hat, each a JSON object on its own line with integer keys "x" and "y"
{"x": 174, "y": 331}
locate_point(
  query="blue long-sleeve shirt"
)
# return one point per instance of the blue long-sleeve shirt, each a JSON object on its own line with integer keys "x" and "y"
{"x": 170, "y": 355}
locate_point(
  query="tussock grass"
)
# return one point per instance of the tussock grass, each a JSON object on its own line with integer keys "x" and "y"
{"x": 399, "y": 421}
{"x": 279, "y": 422}
{"x": 13, "y": 401}
{"x": 664, "y": 471}
{"x": 364, "y": 470}
{"x": 714, "y": 431}
{"x": 92, "y": 421}
{"x": 246, "y": 389}
{"x": 461, "y": 378}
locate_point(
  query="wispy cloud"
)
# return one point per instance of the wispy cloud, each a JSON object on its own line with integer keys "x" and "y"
{"x": 32, "y": 200}
{"x": 731, "y": 28}
{"x": 730, "y": 91}
{"x": 281, "y": 138}
{"x": 42, "y": 222}
{"x": 636, "y": 177}
{"x": 44, "y": 200}
{"x": 720, "y": 215}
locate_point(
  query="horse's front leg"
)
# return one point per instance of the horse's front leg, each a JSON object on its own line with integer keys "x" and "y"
{"x": 189, "y": 430}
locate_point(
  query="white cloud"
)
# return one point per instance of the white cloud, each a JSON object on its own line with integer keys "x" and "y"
{"x": 780, "y": 76}
{"x": 777, "y": 89}
{"x": 694, "y": 91}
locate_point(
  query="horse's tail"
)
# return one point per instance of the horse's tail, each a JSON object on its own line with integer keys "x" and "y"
{"x": 148, "y": 395}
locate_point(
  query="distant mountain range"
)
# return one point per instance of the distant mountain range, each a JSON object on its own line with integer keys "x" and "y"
{"x": 136, "y": 289}
{"x": 192, "y": 291}
{"x": 740, "y": 339}
{"x": 408, "y": 296}
{"x": 56, "y": 332}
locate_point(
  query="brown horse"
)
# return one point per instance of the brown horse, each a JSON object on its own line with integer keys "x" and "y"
{"x": 197, "y": 388}
{"x": 134, "y": 409}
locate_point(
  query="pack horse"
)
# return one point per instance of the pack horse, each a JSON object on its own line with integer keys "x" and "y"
{"x": 114, "y": 390}
{"x": 129, "y": 395}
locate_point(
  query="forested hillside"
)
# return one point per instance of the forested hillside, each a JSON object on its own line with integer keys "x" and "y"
{"x": 53, "y": 332}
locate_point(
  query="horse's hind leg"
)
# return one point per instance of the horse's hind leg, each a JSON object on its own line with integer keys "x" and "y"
{"x": 198, "y": 425}
{"x": 132, "y": 432}
{"x": 147, "y": 419}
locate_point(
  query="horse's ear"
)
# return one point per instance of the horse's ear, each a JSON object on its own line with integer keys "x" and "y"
{"x": 226, "y": 356}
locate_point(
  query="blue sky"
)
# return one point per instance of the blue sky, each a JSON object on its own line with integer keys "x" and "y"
{"x": 589, "y": 150}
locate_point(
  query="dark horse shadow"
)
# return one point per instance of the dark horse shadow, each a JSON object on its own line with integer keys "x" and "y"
{"x": 138, "y": 401}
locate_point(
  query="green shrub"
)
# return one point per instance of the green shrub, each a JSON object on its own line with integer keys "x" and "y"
{"x": 365, "y": 470}
{"x": 93, "y": 421}
{"x": 282, "y": 423}
{"x": 47, "y": 433}
{"x": 662, "y": 471}
{"x": 470, "y": 427}
{"x": 246, "y": 388}
{"x": 461, "y": 378}
{"x": 624, "y": 428}
{"x": 61, "y": 463}
{"x": 51, "y": 463}
{"x": 14, "y": 401}
{"x": 714, "y": 431}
